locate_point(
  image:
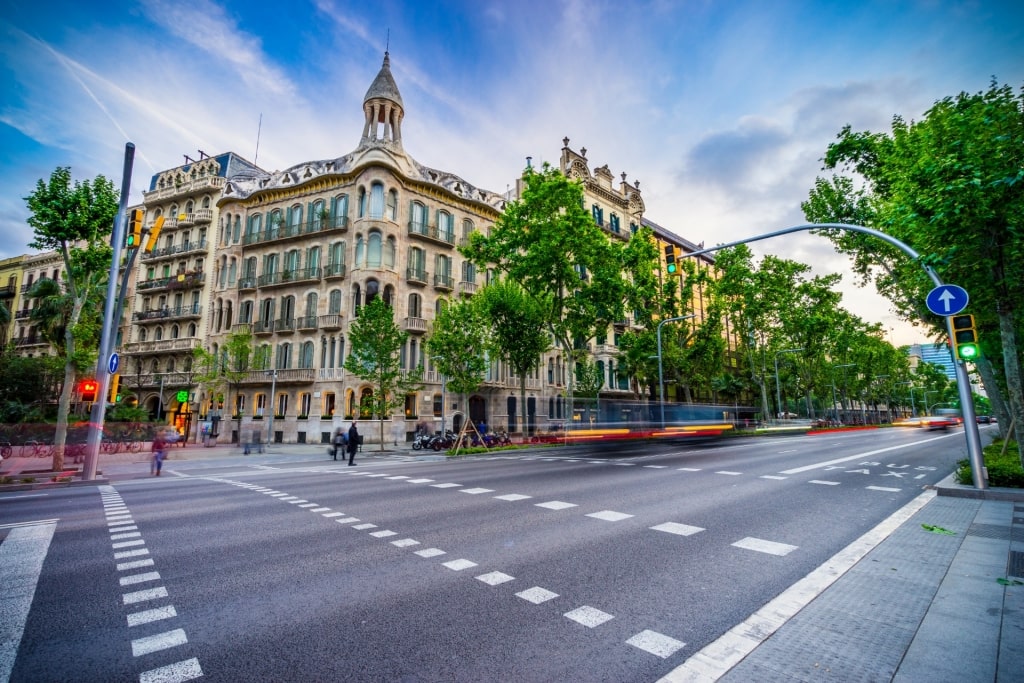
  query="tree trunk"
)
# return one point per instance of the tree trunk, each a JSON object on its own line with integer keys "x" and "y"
{"x": 60, "y": 435}
{"x": 995, "y": 394}
{"x": 1014, "y": 388}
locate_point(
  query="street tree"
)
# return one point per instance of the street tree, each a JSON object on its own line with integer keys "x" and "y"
{"x": 459, "y": 344}
{"x": 950, "y": 185}
{"x": 220, "y": 371}
{"x": 518, "y": 331}
{"x": 375, "y": 357}
{"x": 546, "y": 242}
{"x": 75, "y": 220}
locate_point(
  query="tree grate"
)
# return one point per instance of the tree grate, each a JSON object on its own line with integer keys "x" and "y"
{"x": 1015, "y": 566}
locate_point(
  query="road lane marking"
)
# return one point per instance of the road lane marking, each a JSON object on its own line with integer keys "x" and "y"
{"x": 333, "y": 514}
{"x": 385, "y": 533}
{"x": 826, "y": 483}
{"x": 444, "y": 486}
{"x": 475, "y": 492}
{"x": 656, "y": 643}
{"x": 536, "y": 595}
{"x": 400, "y": 476}
{"x": 21, "y": 562}
{"x": 160, "y": 641}
{"x": 762, "y": 546}
{"x": 419, "y": 481}
{"x": 512, "y": 496}
{"x": 772, "y": 476}
{"x": 717, "y": 658}
{"x": 131, "y": 553}
{"x": 118, "y": 529}
{"x": 361, "y": 527}
{"x": 678, "y": 529}
{"x": 124, "y": 566}
{"x": 144, "y": 595}
{"x": 150, "y": 615}
{"x": 495, "y": 578}
{"x": 729, "y": 472}
{"x": 405, "y": 542}
{"x": 459, "y": 565}
{"x": 139, "y": 578}
{"x": 556, "y": 505}
{"x": 819, "y": 465}
{"x": 320, "y": 509}
{"x": 887, "y": 489}
{"x": 588, "y": 616}
{"x": 179, "y": 672}
{"x": 609, "y": 515}
{"x": 127, "y": 544}
{"x": 347, "y": 520}
{"x": 689, "y": 469}
{"x": 430, "y": 552}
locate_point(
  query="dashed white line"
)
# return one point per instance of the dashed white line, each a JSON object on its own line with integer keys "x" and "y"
{"x": 151, "y": 615}
{"x": 347, "y": 520}
{"x": 127, "y": 544}
{"x": 124, "y": 566}
{"x": 689, "y": 469}
{"x": 131, "y": 553}
{"x": 823, "y": 482}
{"x": 119, "y": 537}
{"x": 333, "y": 514}
{"x": 160, "y": 641}
{"x": 444, "y": 486}
{"x": 320, "y": 509}
{"x": 772, "y": 476}
{"x": 142, "y": 596}
{"x": 495, "y": 578}
{"x": 729, "y": 472}
{"x": 656, "y": 643}
{"x": 588, "y": 616}
{"x": 476, "y": 491}
{"x": 678, "y": 529}
{"x": 405, "y": 542}
{"x": 762, "y": 546}
{"x": 139, "y": 578}
{"x": 430, "y": 552}
{"x": 536, "y": 595}
{"x": 385, "y": 533}
{"x": 556, "y": 505}
{"x": 459, "y": 565}
{"x": 609, "y": 515}
{"x": 512, "y": 496}
{"x": 887, "y": 489}
{"x": 419, "y": 481}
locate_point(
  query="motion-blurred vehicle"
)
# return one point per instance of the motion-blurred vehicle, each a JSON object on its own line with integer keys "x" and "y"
{"x": 984, "y": 419}
{"x": 929, "y": 422}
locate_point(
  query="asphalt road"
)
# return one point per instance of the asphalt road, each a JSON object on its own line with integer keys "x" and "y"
{"x": 583, "y": 565}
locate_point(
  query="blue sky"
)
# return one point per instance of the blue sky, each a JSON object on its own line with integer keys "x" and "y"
{"x": 722, "y": 110}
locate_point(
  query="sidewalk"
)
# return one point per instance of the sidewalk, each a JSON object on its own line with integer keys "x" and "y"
{"x": 936, "y": 604}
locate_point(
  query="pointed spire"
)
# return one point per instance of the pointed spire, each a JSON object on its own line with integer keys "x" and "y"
{"x": 382, "y": 108}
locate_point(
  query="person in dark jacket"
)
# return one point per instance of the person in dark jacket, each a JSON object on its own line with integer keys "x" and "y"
{"x": 353, "y": 443}
{"x": 338, "y": 445}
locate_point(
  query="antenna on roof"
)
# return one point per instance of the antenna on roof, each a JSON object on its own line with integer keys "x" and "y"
{"x": 203, "y": 155}
{"x": 387, "y": 42}
{"x": 259, "y": 129}
{"x": 188, "y": 159}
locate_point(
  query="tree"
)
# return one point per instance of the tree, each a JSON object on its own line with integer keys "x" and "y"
{"x": 458, "y": 345}
{"x": 76, "y": 221}
{"x": 950, "y": 186}
{"x": 546, "y": 242}
{"x": 218, "y": 372}
{"x": 375, "y": 357}
{"x": 517, "y": 329}
{"x": 25, "y": 383}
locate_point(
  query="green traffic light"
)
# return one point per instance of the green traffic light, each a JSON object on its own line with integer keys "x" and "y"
{"x": 968, "y": 351}
{"x": 671, "y": 268}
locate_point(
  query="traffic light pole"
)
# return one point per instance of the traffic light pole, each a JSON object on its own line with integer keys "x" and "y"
{"x": 114, "y": 300}
{"x": 963, "y": 383}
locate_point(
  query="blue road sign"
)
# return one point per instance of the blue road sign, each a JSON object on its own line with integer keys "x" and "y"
{"x": 947, "y": 300}
{"x": 113, "y": 363}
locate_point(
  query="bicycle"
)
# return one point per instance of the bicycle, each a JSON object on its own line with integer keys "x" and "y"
{"x": 6, "y": 449}
{"x": 36, "y": 449}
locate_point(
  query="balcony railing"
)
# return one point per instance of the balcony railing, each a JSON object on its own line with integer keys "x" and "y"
{"x": 191, "y": 311}
{"x": 176, "y": 249}
{"x": 162, "y": 345}
{"x": 288, "y": 277}
{"x": 284, "y": 376}
{"x": 204, "y": 184}
{"x": 29, "y": 340}
{"x": 8, "y": 291}
{"x": 284, "y": 325}
{"x": 263, "y": 327}
{"x": 242, "y": 328}
{"x": 467, "y": 288}
{"x": 430, "y": 232}
{"x": 416, "y": 276}
{"x": 179, "y": 281}
{"x": 23, "y": 313}
{"x": 307, "y": 322}
{"x": 203, "y": 215}
{"x": 331, "y": 321}
{"x": 334, "y": 270}
{"x": 247, "y": 282}
{"x": 445, "y": 282}
{"x": 413, "y": 324}
{"x": 285, "y": 231}
{"x": 29, "y": 285}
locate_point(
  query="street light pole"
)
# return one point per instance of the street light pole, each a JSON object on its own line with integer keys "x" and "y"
{"x": 661, "y": 373}
{"x": 778, "y": 387}
{"x": 270, "y": 417}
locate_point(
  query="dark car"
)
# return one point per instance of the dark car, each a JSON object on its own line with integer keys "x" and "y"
{"x": 984, "y": 419}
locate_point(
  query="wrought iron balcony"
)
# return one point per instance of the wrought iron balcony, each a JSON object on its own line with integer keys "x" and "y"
{"x": 308, "y": 322}
{"x": 444, "y": 282}
{"x": 263, "y": 327}
{"x": 334, "y": 270}
{"x": 431, "y": 233}
{"x": 416, "y": 276}
{"x": 166, "y": 313}
{"x": 185, "y": 280}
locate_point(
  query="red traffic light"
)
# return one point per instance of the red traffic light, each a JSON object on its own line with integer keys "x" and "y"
{"x": 88, "y": 389}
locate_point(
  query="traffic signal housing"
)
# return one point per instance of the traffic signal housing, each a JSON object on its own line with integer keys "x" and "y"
{"x": 88, "y": 389}
{"x": 965, "y": 337}
{"x": 671, "y": 267}
{"x": 115, "y": 387}
{"x": 154, "y": 233}
{"x": 134, "y": 240}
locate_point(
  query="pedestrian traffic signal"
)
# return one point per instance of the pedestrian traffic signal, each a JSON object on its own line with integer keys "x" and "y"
{"x": 134, "y": 229}
{"x": 88, "y": 388}
{"x": 671, "y": 267}
{"x": 965, "y": 338}
{"x": 154, "y": 233}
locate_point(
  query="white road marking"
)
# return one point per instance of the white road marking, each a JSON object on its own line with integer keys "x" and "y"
{"x": 308, "y": 505}
{"x": 609, "y": 515}
{"x": 151, "y": 615}
{"x": 400, "y": 476}
{"x": 430, "y": 552}
{"x": 405, "y": 542}
{"x": 678, "y": 529}
{"x": 730, "y": 473}
{"x": 512, "y": 496}
{"x": 762, "y": 546}
{"x": 179, "y": 672}
{"x": 476, "y": 491}
{"x": 117, "y": 529}
{"x": 139, "y": 578}
{"x": 536, "y": 595}
{"x": 588, "y": 616}
{"x": 821, "y": 481}
{"x": 444, "y": 486}
{"x": 124, "y": 566}
{"x": 626, "y": 464}
{"x": 160, "y": 641}
{"x": 371, "y": 476}
{"x": 656, "y": 467}
{"x": 131, "y": 553}
{"x": 495, "y": 578}
{"x": 127, "y": 544}
{"x": 21, "y": 562}
{"x": 347, "y": 520}
{"x": 333, "y": 514}
{"x": 142, "y": 596}
{"x": 819, "y": 465}
{"x": 689, "y": 469}
{"x": 887, "y": 489}
{"x": 556, "y": 505}
{"x": 15, "y": 525}
{"x": 384, "y": 533}
{"x": 656, "y": 643}
{"x": 278, "y": 495}
{"x": 120, "y": 537}
{"x": 459, "y": 565}
{"x": 772, "y": 476}
{"x": 297, "y": 501}
{"x": 419, "y": 481}
{"x": 320, "y": 509}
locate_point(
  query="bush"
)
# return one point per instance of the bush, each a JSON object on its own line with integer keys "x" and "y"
{"x": 1004, "y": 469}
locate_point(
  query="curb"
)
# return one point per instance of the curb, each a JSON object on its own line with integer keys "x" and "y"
{"x": 949, "y": 487}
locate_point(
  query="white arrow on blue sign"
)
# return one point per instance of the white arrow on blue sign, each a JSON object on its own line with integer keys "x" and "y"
{"x": 113, "y": 363}
{"x": 947, "y": 300}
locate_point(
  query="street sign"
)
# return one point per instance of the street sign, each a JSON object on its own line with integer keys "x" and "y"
{"x": 112, "y": 363}
{"x": 947, "y": 300}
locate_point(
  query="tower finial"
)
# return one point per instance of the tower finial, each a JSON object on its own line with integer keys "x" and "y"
{"x": 387, "y": 42}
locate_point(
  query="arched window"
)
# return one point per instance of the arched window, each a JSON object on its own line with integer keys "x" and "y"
{"x": 377, "y": 200}
{"x": 439, "y": 306}
{"x": 295, "y": 216}
{"x": 335, "y": 258}
{"x": 340, "y": 210}
{"x": 288, "y": 308}
{"x": 362, "y": 202}
{"x": 228, "y": 308}
{"x": 192, "y": 326}
{"x": 418, "y": 218}
{"x": 372, "y": 290}
{"x": 143, "y": 334}
{"x": 467, "y": 228}
{"x": 232, "y": 271}
{"x": 360, "y": 249}
{"x": 389, "y": 295}
{"x": 415, "y": 302}
{"x": 249, "y": 272}
{"x": 252, "y": 234}
{"x": 417, "y": 262}
{"x": 392, "y": 207}
{"x": 174, "y": 331}
{"x": 291, "y": 261}
{"x": 306, "y": 357}
{"x": 170, "y": 365}
{"x": 357, "y": 298}
{"x": 389, "y": 252}
{"x": 365, "y": 403}
{"x": 236, "y": 231}
{"x": 444, "y": 226}
{"x": 311, "y": 305}
{"x": 468, "y": 271}
{"x": 373, "y": 250}
{"x": 154, "y": 367}
{"x": 334, "y": 301}
{"x": 206, "y": 202}
{"x": 158, "y": 333}
{"x": 284, "y": 356}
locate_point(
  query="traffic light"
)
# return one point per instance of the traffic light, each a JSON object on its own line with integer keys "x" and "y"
{"x": 88, "y": 388}
{"x": 115, "y": 385}
{"x": 670, "y": 260}
{"x": 965, "y": 338}
{"x": 154, "y": 233}
{"x": 134, "y": 229}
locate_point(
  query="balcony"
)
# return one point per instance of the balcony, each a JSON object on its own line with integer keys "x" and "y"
{"x": 8, "y": 291}
{"x": 242, "y": 328}
{"x": 467, "y": 288}
{"x": 203, "y": 215}
{"x": 263, "y": 327}
{"x": 331, "y": 321}
{"x": 29, "y": 285}
{"x": 280, "y": 232}
{"x": 444, "y": 283}
{"x": 416, "y": 276}
{"x": 205, "y": 184}
{"x": 246, "y": 282}
{"x": 284, "y": 376}
{"x": 176, "y": 250}
{"x": 306, "y": 323}
{"x": 606, "y": 349}
{"x": 284, "y": 325}
{"x": 430, "y": 233}
{"x": 153, "y": 379}
{"x": 185, "y": 280}
{"x": 166, "y": 313}
{"x": 334, "y": 271}
{"x": 186, "y": 220}
{"x": 29, "y": 340}
{"x": 414, "y": 325}
{"x": 23, "y": 313}
{"x": 288, "y": 277}
{"x": 162, "y": 345}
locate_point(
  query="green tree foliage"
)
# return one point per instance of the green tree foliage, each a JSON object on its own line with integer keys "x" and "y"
{"x": 375, "y": 357}
{"x": 221, "y": 373}
{"x": 950, "y": 185}
{"x": 75, "y": 221}
{"x": 517, "y": 330}
{"x": 26, "y": 384}
{"x": 548, "y": 243}
{"x": 459, "y": 342}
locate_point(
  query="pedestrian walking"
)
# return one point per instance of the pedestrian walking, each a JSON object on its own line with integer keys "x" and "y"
{"x": 159, "y": 449}
{"x": 338, "y": 443}
{"x": 353, "y": 443}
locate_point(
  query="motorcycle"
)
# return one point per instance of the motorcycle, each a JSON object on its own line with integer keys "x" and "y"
{"x": 421, "y": 441}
